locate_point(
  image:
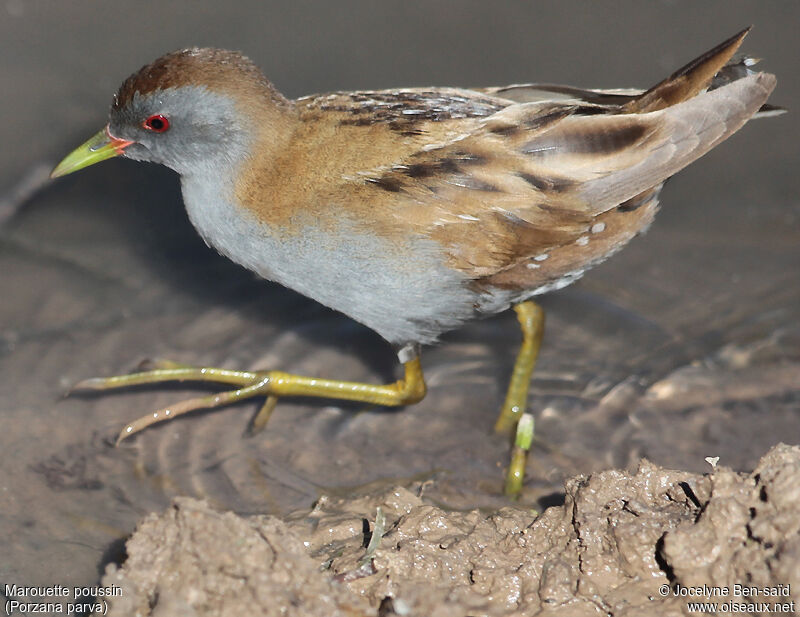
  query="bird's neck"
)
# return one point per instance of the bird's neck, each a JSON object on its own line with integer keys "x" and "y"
{"x": 263, "y": 129}
{"x": 273, "y": 128}
{"x": 210, "y": 190}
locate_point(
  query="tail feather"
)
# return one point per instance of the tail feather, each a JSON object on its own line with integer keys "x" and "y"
{"x": 689, "y": 80}
{"x": 687, "y": 131}
{"x": 714, "y": 69}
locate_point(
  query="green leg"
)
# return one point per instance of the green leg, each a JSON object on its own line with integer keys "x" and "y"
{"x": 270, "y": 384}
{"x": 519, "y": 454}
{"x": 531, "y": 319}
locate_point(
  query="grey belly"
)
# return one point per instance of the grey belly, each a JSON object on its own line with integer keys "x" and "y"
{"x": 403, "y": 293}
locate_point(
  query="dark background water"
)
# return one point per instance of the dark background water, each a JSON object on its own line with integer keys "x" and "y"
{"x": 685, "y": 345}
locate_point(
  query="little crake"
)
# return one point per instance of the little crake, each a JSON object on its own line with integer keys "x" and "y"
{"x": 413, "y": 211}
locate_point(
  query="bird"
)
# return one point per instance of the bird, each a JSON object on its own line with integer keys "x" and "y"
{"x": 412, "y": 210}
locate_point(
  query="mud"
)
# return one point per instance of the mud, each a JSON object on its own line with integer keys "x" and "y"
{"x": 623, "y": 543}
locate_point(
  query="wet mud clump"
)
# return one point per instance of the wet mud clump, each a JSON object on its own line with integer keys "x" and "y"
{"x": 648, "y": 542}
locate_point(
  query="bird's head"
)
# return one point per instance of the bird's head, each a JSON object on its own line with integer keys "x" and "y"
{"x": 193, "y": 110}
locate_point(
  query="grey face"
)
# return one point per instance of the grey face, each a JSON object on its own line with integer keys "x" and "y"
{"x": 205, "y": 129}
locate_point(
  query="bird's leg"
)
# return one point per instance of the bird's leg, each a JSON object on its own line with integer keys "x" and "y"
{"x": 531, "y": 319}
{"x": 271, "y": 384}
{"x": 519, "y": 454}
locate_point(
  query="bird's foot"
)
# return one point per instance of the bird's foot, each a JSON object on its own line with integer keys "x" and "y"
{"x": 249, "y": 384}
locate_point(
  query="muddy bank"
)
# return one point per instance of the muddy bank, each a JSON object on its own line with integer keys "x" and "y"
{"x": 622, "y": 544}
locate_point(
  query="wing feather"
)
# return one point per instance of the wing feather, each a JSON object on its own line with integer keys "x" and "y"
{"x": 535, "y": 175}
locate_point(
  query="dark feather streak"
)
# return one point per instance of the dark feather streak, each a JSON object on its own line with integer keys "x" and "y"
{"x": 609, "y": 141}
{"x": 470, "y": 182}
{"x": 505, "y": 130}
{"x": 450, "y": 169}
{"x": 635, "y": 202}
{"x": 542, "y": 120}
{"x": 387, "y": 183}
{"x": 547, "y": 183}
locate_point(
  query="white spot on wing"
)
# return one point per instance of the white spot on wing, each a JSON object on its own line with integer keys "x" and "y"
{"x": 598, "y": 227}
{"x": 541, "y": 257}
{"x": 567, "y": 279}
{"x": 582, "y": 241}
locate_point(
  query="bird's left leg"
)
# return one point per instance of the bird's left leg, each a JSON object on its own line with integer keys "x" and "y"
{"x": 531, "y": 320}
{"x": 271, "y": 384}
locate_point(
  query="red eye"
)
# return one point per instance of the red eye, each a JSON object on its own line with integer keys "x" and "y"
{"x": 156, "y": 123}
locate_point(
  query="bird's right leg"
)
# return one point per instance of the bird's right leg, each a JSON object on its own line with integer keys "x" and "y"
{"x": 512, "y": 415}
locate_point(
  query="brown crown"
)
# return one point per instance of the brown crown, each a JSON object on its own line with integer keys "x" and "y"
{"x": 217, "y": 69}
